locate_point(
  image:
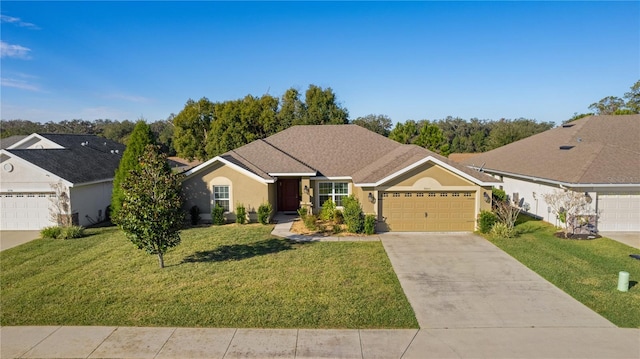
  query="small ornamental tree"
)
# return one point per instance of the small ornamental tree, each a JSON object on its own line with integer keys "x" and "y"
{"x": 151, "y": 215}
{"x": 568, "y": 205}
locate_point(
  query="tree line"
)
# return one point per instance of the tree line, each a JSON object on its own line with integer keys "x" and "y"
{"x": 203, "y": 129}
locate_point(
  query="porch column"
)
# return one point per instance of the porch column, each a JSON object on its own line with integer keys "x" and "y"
{"x": 306, "y": 200}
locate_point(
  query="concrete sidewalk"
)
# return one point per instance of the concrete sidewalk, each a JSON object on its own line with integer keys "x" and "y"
{"x": 127, "y": 342}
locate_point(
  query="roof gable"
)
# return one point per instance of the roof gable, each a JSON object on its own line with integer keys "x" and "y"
{"x": 593, "y": 150}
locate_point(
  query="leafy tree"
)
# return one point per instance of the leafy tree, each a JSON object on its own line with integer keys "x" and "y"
{"x": 291, "y": 109}
{"x": 465, "y": 136}
{"x": 506, "y": 131}
{"x": 633, "y": 98}
{"x": 607, "y": 106}
{"x": 139, "y": 139}
{"x": 380, "y": 124}
{"x": 191, "y": 129}
{"x": 163, "y": 135}
{"x": 577, "y": 116}
{"x": 151, "y": 215}
{"x": 404, "y": 132}
{"x": 321, "y": 108}
{"x": 118, "y": 131}
{"x": 19, "y": 127}
{"x": 431, "y": 138}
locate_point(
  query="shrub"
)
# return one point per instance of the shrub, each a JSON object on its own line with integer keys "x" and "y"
{"x": 71, "y": 232}
{"x": 337, "y": 228}
{"x": 241, "y": 214}
{"x": 264, "y": 213}
{"x": 502, "y": 230}
{"x": 328, "y": 210}
{"x": 50, "y": 232}
{"x": 194, "y": 213}
{"x": 353, "y": 215}
{"x": 498, "y": 194}
{"x": 370, "y": 224}
{"x": 217, "y": 215}
{"x": 486, "y": 220}
{"x": 302, "y": 212}
{"x": 310, "y": 222}
{"x": 338, "y": 218}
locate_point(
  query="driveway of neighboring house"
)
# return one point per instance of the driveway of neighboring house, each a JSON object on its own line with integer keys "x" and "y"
{"x": 9, "y": 239}
{"x": 460, "y": 280}
{"x": 629, "y": 238}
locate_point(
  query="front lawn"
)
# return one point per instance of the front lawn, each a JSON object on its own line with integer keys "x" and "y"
{"x": 585, "y": 269}
{"x": 230, "y": 276}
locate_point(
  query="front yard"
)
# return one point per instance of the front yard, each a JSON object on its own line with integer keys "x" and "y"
{"x": 230, "y": 276}
{"x": 585, "y": 269}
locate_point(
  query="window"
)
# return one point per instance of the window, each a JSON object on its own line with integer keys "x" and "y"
{"x": 385, "y": 195}
{"x": 334, "y": 191}
{"x": 455, "y": 194}
{"x": 442, "y": 194}
{"x": 221, "y": 197}
{"x": 467, "y": 194}
{"x": 407, "y": 194}
{"x": 419, "y": 194}
{"x": 396, "y": 194}
{"x": 432, "y": 194}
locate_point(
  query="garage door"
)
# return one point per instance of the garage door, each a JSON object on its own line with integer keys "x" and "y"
{"x": 619, "y": 211}
{"x": 26, "y": 211}
{"x": 428, "y": 211}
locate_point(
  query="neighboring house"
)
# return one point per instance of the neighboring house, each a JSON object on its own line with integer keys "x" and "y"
{"x": 407, "y": 187}
{"x": 596, "y": 155}
{"x": 31, "y": 168}
{"x": 180, "y": 165}
{"x": 461, "y": 157}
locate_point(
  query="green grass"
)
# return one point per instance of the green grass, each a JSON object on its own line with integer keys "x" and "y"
{"x": 585, "y": 269}
{"x": 229, "y": 276}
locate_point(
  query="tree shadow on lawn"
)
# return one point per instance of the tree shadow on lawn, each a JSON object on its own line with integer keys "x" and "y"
{"x": 238, "y": 252}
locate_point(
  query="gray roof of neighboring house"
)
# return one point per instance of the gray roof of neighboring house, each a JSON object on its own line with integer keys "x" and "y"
{"x": 596, "y": 150}
{"x": 76, "y": 163}
{"x": 9, "y": 141}
{"x": 333, "y": 151}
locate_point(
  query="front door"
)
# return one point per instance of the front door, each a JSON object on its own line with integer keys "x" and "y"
{"x": 288, "y": 194}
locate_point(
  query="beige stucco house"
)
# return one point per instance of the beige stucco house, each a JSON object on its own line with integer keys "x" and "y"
{"x": 407, "y": 187}
{"x": 598, "y": 156}
{"x": 38, "y": 169}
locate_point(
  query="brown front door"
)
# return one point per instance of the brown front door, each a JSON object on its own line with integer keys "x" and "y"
{"x": 288, "y": 194}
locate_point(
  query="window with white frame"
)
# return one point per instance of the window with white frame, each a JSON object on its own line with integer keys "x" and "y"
{"x": 221, "y": 197}
{"x": 332, "y": 190}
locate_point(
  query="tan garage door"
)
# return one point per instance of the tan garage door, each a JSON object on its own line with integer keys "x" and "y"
{"x": 428, "y": 211}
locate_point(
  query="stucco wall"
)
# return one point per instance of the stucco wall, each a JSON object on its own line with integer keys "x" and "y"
{"x": 197, "y": 190}
{"x": 91, "y": 202}
{"x": 24, "y": 177}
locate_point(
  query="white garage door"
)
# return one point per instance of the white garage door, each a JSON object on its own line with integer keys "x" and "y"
{"x": 25, "y": 211}
{"x": 619, "y": 212}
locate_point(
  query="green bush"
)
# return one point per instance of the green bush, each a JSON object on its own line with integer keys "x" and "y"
{"x": 57, "y": 232}
{"x": 264, "y": 213}
{"x": 337, "y": 228}
{"x": 498, "y": 194}
{"x": 310, "y": 222}
{"x": 217, "y": 215}
{"x": 353, "y": 215}
{"x": 501, "y": 230}
{"x": 338, "y": 218}
{"x": 194, "y": 213}
{"x": 486, "y": 220}
{"x": 302, "y": 212}
{"x": 241, "y": 214}
{"x": 328, "y": 210}
{"x": 370, "y": 224}
{"x": 50, "y": 232}
{"x": 71, "y": 232}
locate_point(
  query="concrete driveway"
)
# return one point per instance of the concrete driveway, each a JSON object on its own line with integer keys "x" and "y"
{"x": 461, "y": 280}
{"x": 629, "y": 238}
{"x": 10, "y": 239}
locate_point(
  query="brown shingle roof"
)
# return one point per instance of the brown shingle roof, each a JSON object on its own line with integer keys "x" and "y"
{"x": 600, "y": 150}
{"x": 333, "y": 151}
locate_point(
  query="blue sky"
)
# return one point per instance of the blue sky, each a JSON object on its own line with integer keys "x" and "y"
{"x": 406, "y": 60}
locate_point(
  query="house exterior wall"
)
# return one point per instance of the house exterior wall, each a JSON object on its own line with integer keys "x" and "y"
{"x": 23, "y": 177}
{"x": 90, "y": 202}
{"x": 243, "y": 189}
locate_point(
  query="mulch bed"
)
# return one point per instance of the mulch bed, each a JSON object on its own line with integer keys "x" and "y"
{"x": 577, "y": 236}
